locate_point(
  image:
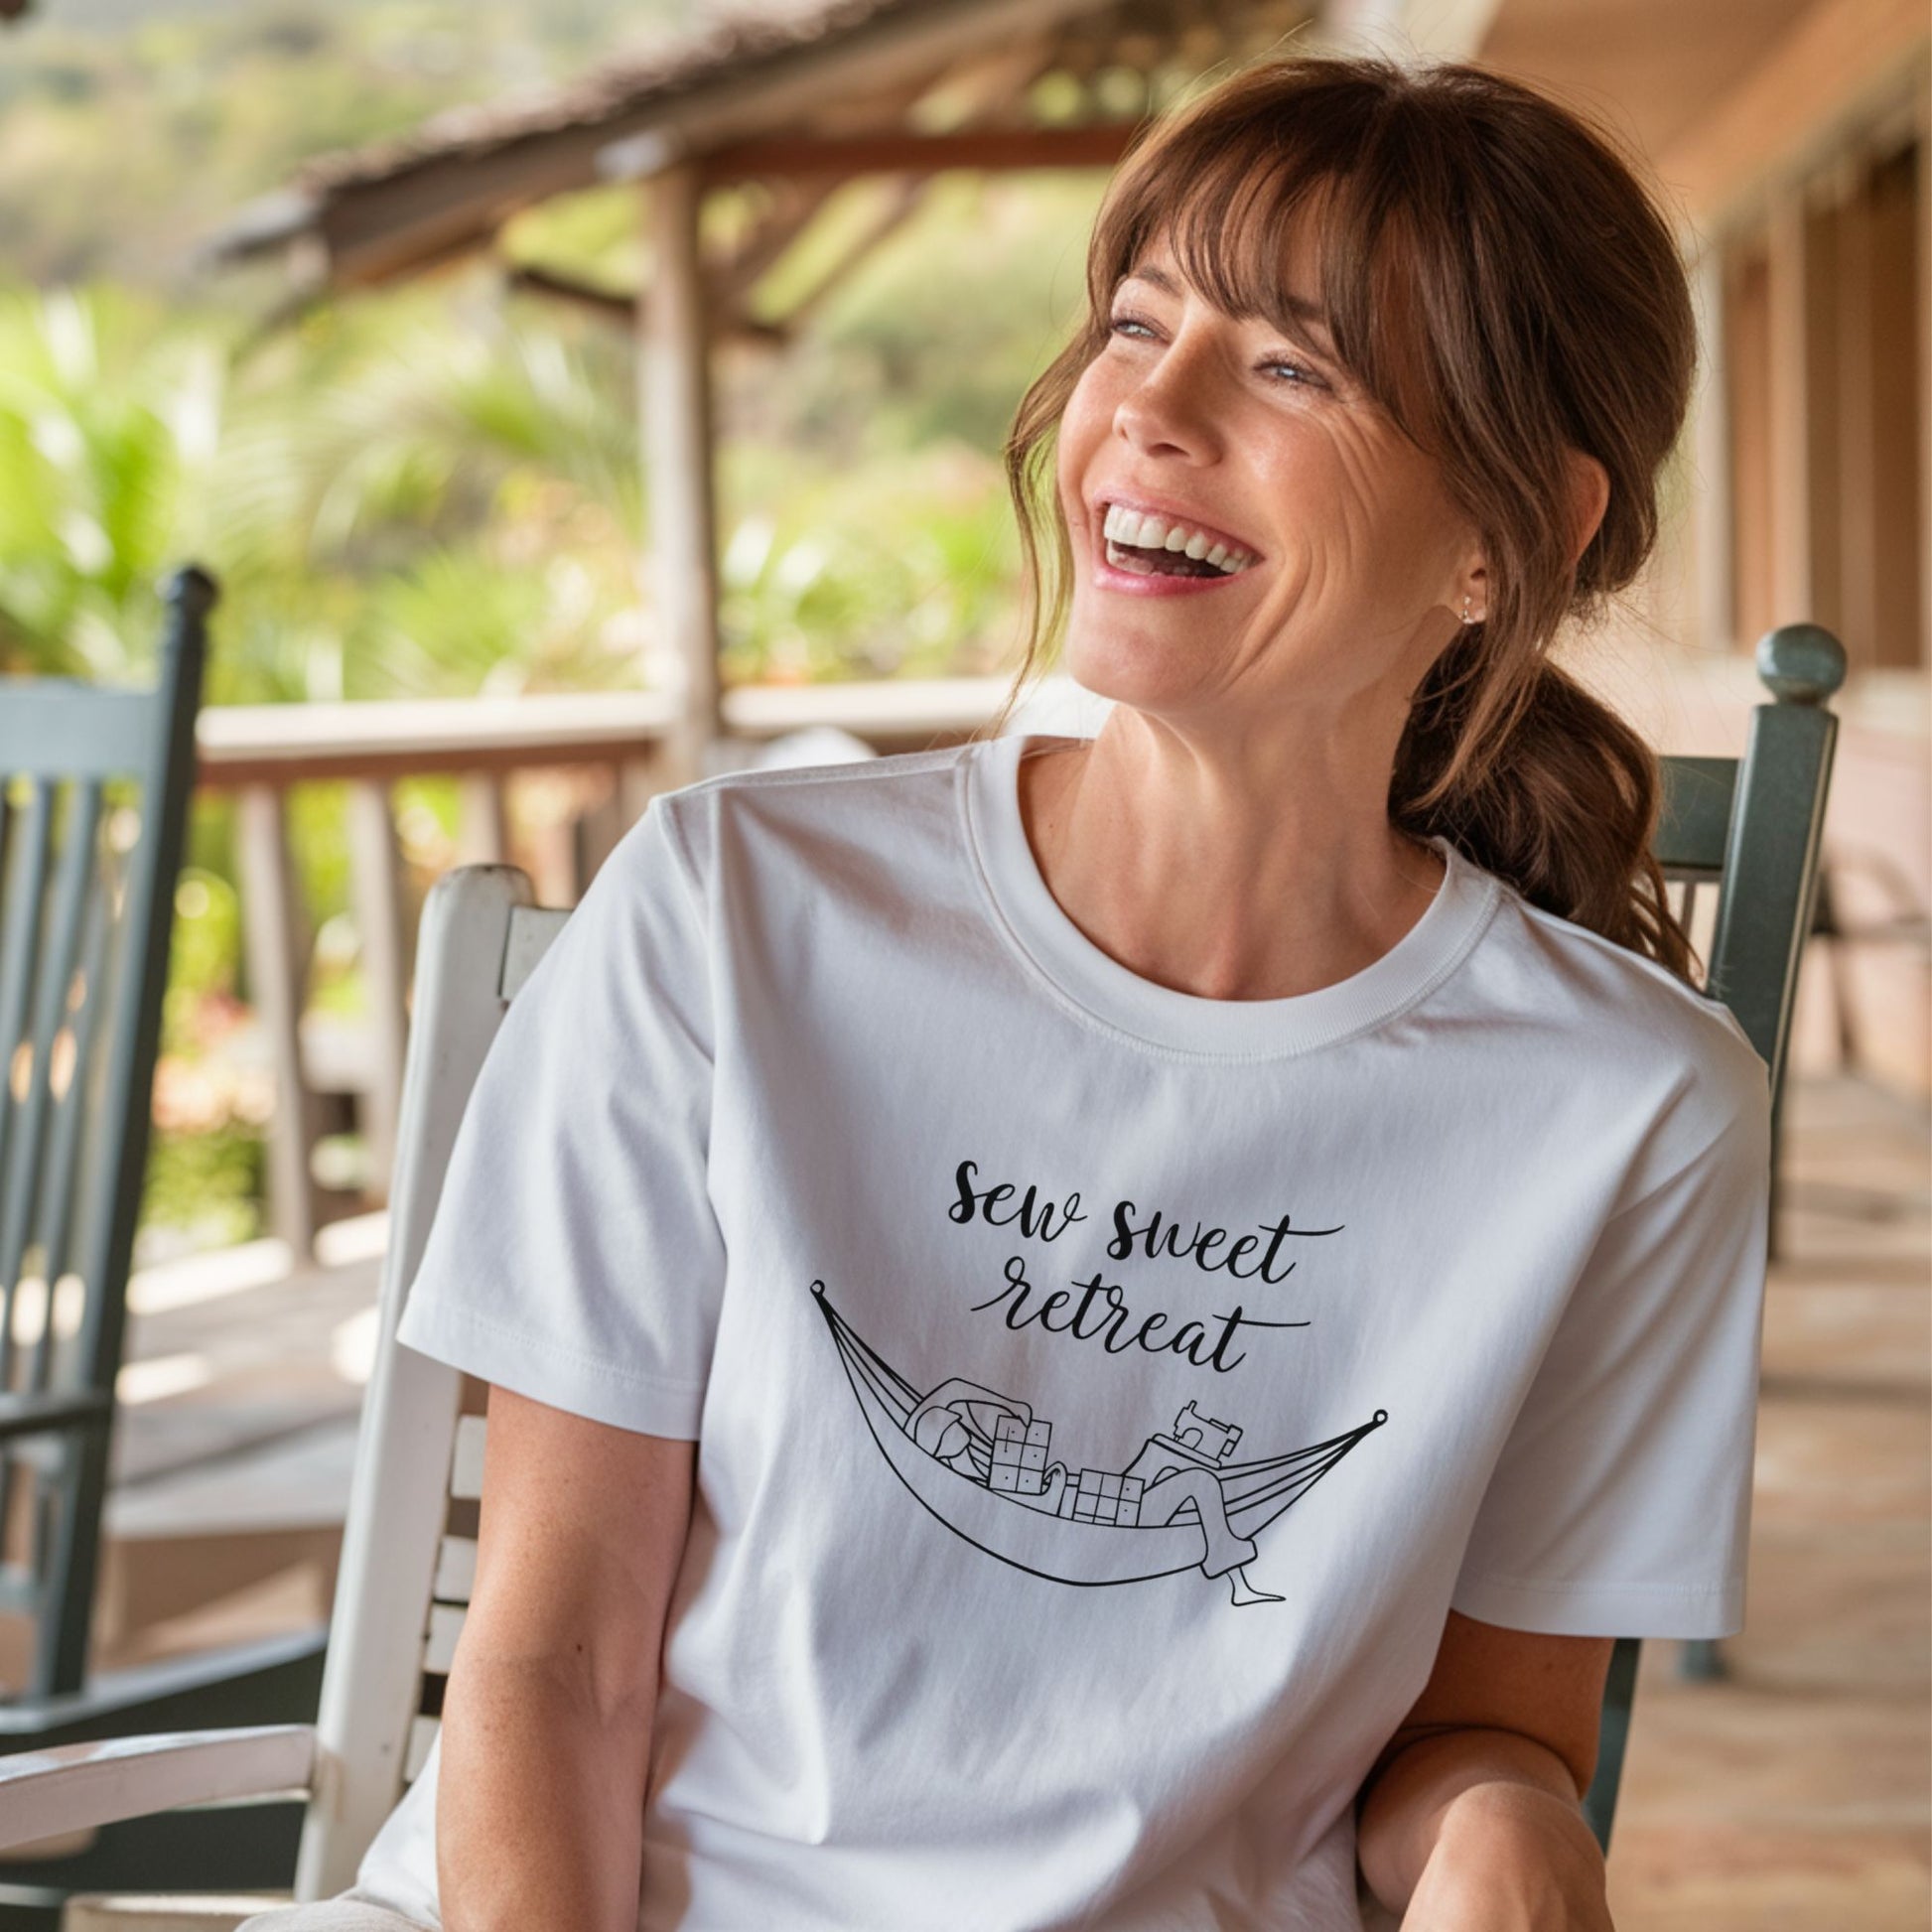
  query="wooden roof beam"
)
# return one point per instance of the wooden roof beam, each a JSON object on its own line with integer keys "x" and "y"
{"x": 885, "y": 222}
{"x": 983, "y": 92}
{"x": 606, "y": 305}
{"x": 377, "y": 229}
{"x": 984, "y": 149}
{"x": 989, "y": 85}
{"x": 795, "y": 204}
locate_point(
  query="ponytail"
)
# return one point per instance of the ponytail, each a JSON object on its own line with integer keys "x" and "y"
{"x": 1551, "y": 790}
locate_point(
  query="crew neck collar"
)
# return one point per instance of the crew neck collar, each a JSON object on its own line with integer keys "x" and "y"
{"x": 1103, "y": 989}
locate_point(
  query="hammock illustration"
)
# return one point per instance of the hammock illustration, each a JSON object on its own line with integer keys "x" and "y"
{"x": 1024, "y": 1530}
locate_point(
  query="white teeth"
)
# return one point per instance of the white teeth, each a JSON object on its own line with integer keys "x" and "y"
{"x": 1155, "y": 533}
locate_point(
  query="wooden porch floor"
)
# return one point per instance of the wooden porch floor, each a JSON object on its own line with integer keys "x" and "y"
{"x": 1791, "y": 1796}
{"x": 1795, "y": 1795}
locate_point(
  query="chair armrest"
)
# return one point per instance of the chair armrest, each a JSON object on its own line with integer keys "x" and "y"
{"x": 72, "y": 1787}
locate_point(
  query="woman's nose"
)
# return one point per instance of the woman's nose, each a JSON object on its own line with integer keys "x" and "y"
{"x": 1173, "y": 408}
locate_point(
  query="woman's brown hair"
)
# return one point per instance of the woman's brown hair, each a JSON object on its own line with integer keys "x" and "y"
{"x": 1500, "y": 280}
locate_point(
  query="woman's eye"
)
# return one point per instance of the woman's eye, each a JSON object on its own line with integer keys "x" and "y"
{"x": 1301, "y": 377}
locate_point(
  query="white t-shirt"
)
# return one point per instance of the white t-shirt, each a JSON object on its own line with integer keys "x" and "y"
{"x": 1028, "y": 1315}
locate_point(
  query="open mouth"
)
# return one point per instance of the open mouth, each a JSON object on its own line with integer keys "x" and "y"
{"x": 1150, "y": 545}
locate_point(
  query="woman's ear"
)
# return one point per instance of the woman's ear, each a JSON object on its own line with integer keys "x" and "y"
{"x": 1470, "y": 597}
{"x": 1589, "y": 498}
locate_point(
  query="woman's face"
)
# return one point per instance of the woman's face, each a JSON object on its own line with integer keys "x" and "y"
{"x": 1357, "y": 558}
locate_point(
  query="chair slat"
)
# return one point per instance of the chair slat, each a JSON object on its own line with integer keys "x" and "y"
{"x": 54, "y": 728}
{"x": 467, "y": 1466}
{"x": 1771, "y": 875}
{"x": 1694, "y": 823}
{"x": 532, "y": 927}
{"x": 455, "y": 1569}
{"x": 62, "y": 1193}
{"x": 19, "y": 953}
{"x": 439, "y": 1647}
{"x": 53, "y": 981}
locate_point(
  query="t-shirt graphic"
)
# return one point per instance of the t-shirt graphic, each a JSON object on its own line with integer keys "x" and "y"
{"x": 977, "y": 1459}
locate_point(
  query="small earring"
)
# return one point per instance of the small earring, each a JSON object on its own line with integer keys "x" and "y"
{"x": 1467, "y": 619}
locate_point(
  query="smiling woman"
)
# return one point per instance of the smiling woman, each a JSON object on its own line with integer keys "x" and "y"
{"x": 1210, "y": 1269}
{"x": 1416, "y": 342}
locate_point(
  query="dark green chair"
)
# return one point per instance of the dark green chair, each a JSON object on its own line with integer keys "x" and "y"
{"x": 1750, "y": 827}
{"x": 93, "y": 805}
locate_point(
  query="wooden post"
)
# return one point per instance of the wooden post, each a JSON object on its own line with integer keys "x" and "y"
{"x": 1824, "y": 475}
{"x": 1747, "y": 404}
{"x": 277, "y": 977}
{"x": 640, "y": 781}
{"x": 1924, "y": 251}
{"x": 599, "y": 825}
{"x": 1790, "y": 411}
{"x": 676, "y": 393}
{"x": 1858, "y": 381}
{"x": 1897, "y": 325}
{"x": 375, "y": 886}
{"x": 1711, "y": 498}
{"x": 483, "y": 836}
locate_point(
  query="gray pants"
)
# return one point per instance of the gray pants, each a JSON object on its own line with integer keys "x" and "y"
{"x": 350, "y": 1912}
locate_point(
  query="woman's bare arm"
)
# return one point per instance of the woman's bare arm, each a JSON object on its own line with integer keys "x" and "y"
{"x": 1472, "y": 1820}
{"x": 546, "y": 1721}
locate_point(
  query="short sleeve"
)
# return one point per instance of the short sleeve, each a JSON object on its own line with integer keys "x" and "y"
{"x": 1620, "y": 1506}
{"x": 575, "y": 1257}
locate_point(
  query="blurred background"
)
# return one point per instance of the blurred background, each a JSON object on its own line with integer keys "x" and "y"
{"x": 533, "y": 487}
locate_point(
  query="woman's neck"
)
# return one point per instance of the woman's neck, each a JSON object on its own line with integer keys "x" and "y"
{"x": 1224, "y": 884}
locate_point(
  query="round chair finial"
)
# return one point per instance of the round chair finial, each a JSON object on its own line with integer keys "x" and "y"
{"x": 193, "y": 588}
{"x": 1800, "y": 664}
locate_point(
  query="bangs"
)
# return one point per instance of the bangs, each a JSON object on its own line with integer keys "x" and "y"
{"x": 1232, "y": 193}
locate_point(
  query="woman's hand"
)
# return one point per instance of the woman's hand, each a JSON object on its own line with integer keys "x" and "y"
{"x": 1509, "y": 1857}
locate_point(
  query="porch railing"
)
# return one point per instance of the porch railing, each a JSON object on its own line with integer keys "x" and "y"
{"x": 613, "y": 748}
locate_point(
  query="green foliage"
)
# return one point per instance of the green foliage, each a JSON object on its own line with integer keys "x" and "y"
{"x": 207, "y": 945}
{"x": 393, "y": 512}
{"x": 461, "y": 619}
{"x": 434, "y": 492}
{"x": 206, "y": 1185}
{"x": 114, "y": 439}
{"x": 940, "y": 332}
{"x": 128, "y": 132}
{"x": 935, "y": 334}
{"x": 869, "y": 572}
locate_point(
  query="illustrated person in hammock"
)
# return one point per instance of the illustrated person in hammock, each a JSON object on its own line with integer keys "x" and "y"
{"x": 959, "y": 1416}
